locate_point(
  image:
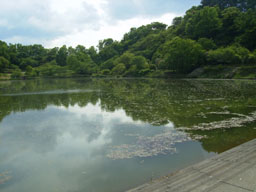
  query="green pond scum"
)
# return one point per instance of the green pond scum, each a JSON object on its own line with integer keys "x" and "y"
{"x": 113, "y": 134}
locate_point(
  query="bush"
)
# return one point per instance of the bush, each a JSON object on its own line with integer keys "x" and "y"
{"x": 4, "y": 64}
{"x": 16, "y": 74}
{"x": 253, "y": 57}
{"x": 207, "y": 44}
{"x": 105, "y": 72}
{"x": 109, "y": 64}
{"x": 182, "y": 55}
{"x": 229, "y": 55}
{"x": 30, "y": 72}
{"x": 118, "y": 69}
{"x": 28, "y": 62}
{"x": 48, "y": 69}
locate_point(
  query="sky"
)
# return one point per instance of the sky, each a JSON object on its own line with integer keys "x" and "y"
{"x": 54, "y": 23}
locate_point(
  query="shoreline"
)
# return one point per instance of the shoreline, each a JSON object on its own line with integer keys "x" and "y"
{"x": 127, "y": 78}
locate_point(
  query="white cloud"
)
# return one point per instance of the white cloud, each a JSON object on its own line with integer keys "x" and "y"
{"x": 68, "y": 16}
{"x": 116, "y": 31}
{"x": 92, "y": 111}
{"x": 5, "y": 23}
{"x": 57, "y": 22}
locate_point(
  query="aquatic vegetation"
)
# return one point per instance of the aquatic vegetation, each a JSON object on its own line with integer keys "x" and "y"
{"x": 160, "y": 144}
{"x": 239, "y": 121}
{"x": 164, "y": 143}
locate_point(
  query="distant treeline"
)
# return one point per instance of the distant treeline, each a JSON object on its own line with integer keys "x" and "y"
{"x": 218, "y": 32}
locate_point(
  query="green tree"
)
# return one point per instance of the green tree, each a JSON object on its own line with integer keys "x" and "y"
{"x": 135, "y": 34}
{"x": 105, "y": 72}
{"x": 109, "y": 64}
{"x": 148, "y": 45}
{"x": 4, "y": 52}
{"x": 138, "y": 66}
{"x": 204, "y": 22}
{"x": 51, "y": 54}
{"x": 16, "y": 74}
{"x": 38, "y": 53}
{"x": 243, "y": 54}
{"x": 92, "y": 52}
{"x": 28, "y": 62}
{"x": 81, "y": 64}
{"x": 108, "y": 49}
{"x": 119, "y": 69}
{"x": 125, "y": 59}
{"x": 231, "y": 55}
{"x": 140, "y": 62}
{"x": 182, "y": 55}
{"x": 223, "y": 4}
{"x": 253, "y": 57}
{"x": 207, "y": 44}
{"x": 61, "y": 57}
{"x": 30, "y": 72}
{"x": 4, "y": 64}
{"x": 51, "y": 69}
{"x": 105, "y": 43}
{"x": 177, "y": 21}
{"x": 247, "y": 24}
{"x": 230, "y": 30}
{"x": 13, "y": 55}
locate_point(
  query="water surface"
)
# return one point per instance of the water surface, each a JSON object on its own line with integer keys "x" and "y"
{"x": 75, "y": 135}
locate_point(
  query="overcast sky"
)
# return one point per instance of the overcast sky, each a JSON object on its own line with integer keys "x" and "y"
{"x": 72, "y": 22}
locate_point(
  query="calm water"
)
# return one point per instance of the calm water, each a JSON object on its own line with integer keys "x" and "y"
{"x": 111, "y": 135}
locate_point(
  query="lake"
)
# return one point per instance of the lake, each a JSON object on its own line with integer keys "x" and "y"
{"x": 109, "y": 135}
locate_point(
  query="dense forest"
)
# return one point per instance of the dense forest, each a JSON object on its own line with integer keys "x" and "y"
{"x": 218, "y": 33}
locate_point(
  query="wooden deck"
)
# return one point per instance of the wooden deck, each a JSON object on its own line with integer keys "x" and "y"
{"x": 231, "y": 171}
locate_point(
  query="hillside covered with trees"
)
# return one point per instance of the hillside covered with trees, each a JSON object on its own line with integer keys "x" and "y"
{"x": 217, "y": 34}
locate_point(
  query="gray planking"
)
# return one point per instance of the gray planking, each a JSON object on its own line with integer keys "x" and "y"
{"x": 231, "y": 171}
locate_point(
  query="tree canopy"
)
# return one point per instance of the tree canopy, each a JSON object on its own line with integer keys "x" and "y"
{"x": 241, "y": 4}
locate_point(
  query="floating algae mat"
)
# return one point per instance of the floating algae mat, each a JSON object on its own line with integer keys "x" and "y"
{"x": 102, "y": 135}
